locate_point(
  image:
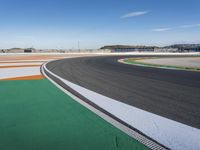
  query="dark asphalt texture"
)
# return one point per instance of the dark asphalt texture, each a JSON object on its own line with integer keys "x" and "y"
{"x": 169, "y": 93}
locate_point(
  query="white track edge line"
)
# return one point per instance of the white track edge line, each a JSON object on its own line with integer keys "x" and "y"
{"x": 137, "y": 136}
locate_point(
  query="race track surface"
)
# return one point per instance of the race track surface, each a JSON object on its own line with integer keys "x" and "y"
{"x": 169, "y": 93}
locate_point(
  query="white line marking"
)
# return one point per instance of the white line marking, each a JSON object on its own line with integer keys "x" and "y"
{"x": 170, "y": 133}
{"x": 19, "y": 72}
{"x": 125, "y": 129}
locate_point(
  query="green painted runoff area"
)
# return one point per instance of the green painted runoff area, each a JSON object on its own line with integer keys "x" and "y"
{"x": 36, "y": 115}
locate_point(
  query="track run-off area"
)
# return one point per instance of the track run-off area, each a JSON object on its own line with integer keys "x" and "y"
{"x": 35, "y": 114}
{"x": 92, "y": 101}
{"x": 163, "y": 104}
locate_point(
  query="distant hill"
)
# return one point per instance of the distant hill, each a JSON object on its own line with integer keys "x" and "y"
{"x": 11, "y": 49}
{"x": 17, "y": 50}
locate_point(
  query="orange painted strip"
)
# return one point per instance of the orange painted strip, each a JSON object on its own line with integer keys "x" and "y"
{"x": 35, "y": 77}
{"x": 30, "y": 57}
{"x": 20, "y": 66}
{"x": 7, "y": 62}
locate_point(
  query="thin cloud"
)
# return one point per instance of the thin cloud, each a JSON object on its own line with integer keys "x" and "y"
{"x": 179, "y": 27}
{"x": 190, "y": 26}
{"x": 134, "y": 14}
{"x": 161, "y": 29}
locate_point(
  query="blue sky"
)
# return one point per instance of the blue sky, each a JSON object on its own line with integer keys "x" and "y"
{"x": 62, "y": 23}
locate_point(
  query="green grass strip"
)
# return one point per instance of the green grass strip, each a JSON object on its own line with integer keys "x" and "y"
{"x": 36, "y": 115}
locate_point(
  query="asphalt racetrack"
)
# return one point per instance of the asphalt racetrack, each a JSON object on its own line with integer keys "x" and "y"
{"x": 169, "y": 93}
